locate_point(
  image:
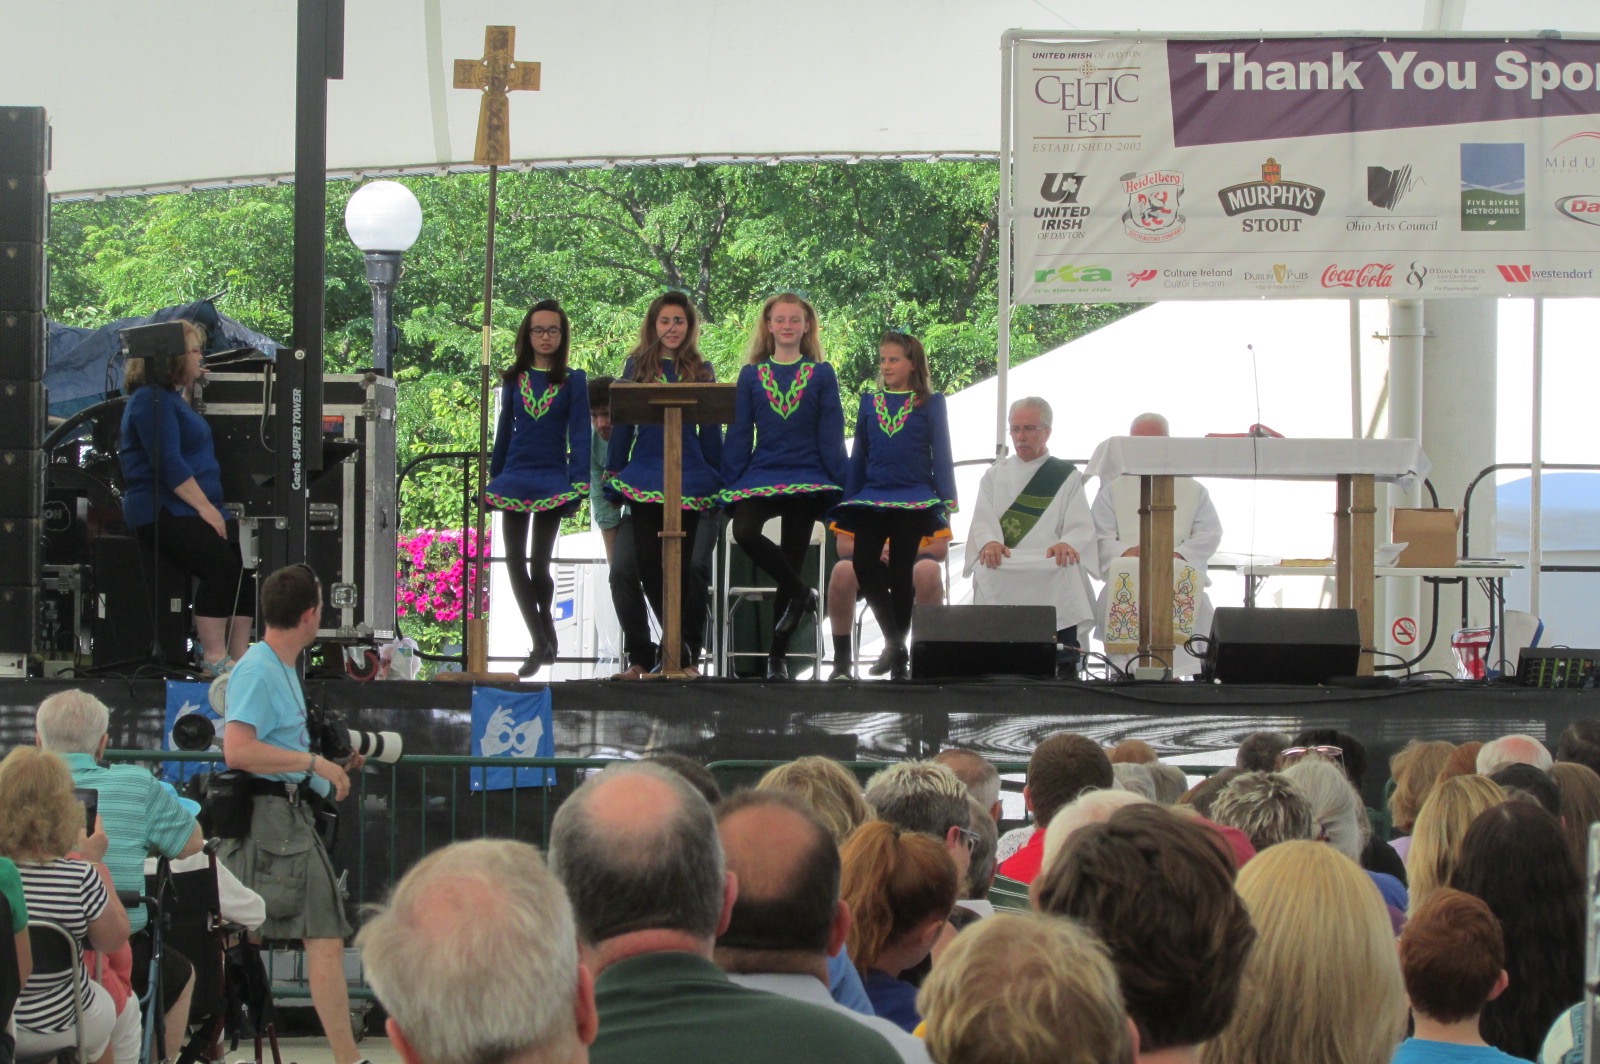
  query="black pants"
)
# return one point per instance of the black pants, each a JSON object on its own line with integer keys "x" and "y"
{"x": 627, "y": 598}
{"x": 529, "y": 570}
{"x": 194, "y": 546}
{"x": 888, "y": 589}
{"x": 648, "y": 521}
{"x": 781, "y": 560}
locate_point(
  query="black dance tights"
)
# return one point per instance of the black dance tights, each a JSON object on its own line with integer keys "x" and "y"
{"x": 889, "y": 590}
{"x": 531, "y": 583}
{"x": 782, "y": 560}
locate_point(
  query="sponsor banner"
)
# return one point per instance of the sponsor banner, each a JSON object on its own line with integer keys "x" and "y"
{"x": 1294, "y": 167}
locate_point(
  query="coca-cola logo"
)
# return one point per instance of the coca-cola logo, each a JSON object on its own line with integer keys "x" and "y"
{"x": 1372, "y": 275}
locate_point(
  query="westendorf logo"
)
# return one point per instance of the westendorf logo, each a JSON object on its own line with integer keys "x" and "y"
{"x": 1516, "y": 274}
{"x": 1135, "y": 278}
{"x": 1372, "y": 275}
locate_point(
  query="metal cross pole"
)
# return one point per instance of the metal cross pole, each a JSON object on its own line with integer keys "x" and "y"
{"x": 496, "y": 74}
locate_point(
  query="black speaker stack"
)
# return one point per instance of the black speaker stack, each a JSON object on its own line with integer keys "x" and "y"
{"x": 24, "y": 285}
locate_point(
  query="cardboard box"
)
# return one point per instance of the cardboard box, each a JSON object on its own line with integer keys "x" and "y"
{"x": 1430, "y": 538}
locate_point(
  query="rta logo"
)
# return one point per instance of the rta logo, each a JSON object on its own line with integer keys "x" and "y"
{"x": 1136, "y": 278}
{"x": 1072, "y": 275}
{"x": 1061, "y": 188}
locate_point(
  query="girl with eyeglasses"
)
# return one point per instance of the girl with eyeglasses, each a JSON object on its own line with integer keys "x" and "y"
{"x": 667, "y": 352}
{"x": 540, "y": 466}
{"x": 784, "y": 457}
{"x": 900, "y": 486}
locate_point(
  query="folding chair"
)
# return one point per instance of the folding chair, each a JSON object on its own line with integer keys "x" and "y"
{"x": 55, "y": 951}
{"x": 10, "y": 981}
{"x": 761, "y": 591}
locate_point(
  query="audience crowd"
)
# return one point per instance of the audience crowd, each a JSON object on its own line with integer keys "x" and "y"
{"x": 1262, "y": 915}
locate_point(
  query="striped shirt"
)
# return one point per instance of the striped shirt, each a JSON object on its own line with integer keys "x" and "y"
{"x": 140, "y": 817}
{"x": 69, "y": 893}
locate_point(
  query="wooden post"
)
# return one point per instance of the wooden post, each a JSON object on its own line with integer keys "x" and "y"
{"x": 1156, "y": 508}
{"x": 672, "y": 542}
{"x": 1354, "y": 541}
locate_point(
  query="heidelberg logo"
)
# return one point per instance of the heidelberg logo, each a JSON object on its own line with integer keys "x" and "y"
{"x": 1372, "y": 275}
{"x": 1584, "y": 209}
{"x": 1152, "y": 213}
{"x": 1271, "y": 193}
{"x": 1072, "y": 275}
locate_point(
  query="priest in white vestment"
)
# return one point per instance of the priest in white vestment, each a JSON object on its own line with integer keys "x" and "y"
{"x": 1031, "y": 528}
{"x": 1196, "y": 532}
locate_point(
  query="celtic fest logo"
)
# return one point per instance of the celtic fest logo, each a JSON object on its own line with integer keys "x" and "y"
{"x": 1153, "y": 198}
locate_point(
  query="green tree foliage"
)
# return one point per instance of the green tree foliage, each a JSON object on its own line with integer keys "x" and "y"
{"x": 873, "y": 245}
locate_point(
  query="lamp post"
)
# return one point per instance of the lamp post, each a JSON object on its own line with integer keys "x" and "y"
{"x": 383, "y": 219}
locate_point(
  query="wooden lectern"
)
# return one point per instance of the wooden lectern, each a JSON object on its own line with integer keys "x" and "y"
{"x": 670, "y": 405}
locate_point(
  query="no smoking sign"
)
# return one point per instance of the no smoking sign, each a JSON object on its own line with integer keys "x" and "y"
{"x": 1404, "y": 631}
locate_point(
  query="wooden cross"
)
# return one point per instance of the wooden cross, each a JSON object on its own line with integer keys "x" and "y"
{"x": 497, "y": 73}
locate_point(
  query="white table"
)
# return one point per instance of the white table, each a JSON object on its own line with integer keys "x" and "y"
{"x": 1355, "y": 465}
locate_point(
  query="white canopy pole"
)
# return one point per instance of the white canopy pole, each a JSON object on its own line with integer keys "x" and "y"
{"x": 1536, "y": 473}
{"x": 1008, "y": 49}
{"x": 1355, "y": 370}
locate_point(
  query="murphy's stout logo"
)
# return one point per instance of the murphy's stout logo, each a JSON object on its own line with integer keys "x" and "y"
{"x": 1271, "y": 193}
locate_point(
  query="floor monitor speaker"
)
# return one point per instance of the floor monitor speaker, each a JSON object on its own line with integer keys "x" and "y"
{"x": 1283, "y": 646}
{"x": 950, "y": 642}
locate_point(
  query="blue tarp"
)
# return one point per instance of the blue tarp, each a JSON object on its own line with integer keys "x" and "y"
{"x": 84, "y": 366}
{"x": 1569, "y": 510}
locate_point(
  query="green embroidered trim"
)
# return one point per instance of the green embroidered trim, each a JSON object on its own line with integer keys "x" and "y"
{"x": 783, "y": 402}
{"x": 533, "y": 506}
{"x": 659, "y": 498}
{"x": 892, "y": 424}
{"x": 767, "y": 491}
{"x": 948, "y": 505}
{"x": 537, "y": 408}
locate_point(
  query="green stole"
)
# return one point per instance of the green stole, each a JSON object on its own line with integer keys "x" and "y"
{"x": 1036, "y": 497}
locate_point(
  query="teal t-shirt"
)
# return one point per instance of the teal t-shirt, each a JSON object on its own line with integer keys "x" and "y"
{"x": 265, "y": 693}
{"x": 11, "y": 888}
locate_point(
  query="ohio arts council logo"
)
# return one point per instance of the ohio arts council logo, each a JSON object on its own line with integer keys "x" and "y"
{"x": 1271, "y": 193}
{"x": 1152, "y": 215}
{"x": 1386, "y": 188}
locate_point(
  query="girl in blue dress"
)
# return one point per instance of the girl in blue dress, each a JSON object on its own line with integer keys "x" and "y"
{"x": 784, "y": 456}
{"x": 540, "y": 467}
{"x": 900, "y": 485}
{"x": 667, "y": 352}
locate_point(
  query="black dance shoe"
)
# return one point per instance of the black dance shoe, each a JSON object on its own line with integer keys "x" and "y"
{"x": 900, "y": 664}
{"x": 532, "y": 663}
{"x": 884, "y": 663}
{"x": 778, "y": 668}
{"x": 794, "y": 613}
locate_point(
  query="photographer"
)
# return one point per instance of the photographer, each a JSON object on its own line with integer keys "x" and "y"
{"x": 281, "y": 856}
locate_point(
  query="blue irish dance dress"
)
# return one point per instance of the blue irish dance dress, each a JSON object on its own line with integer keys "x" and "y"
{"x": 901, "y": 459}
{"x": 540, "y": 462}
{"x": 787, "y": 436}
{"x": 635, "y": 457}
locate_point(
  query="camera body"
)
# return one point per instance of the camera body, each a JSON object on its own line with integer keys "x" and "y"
{"x": 333, "y": 738}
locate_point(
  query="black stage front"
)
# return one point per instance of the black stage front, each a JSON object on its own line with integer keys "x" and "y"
{"x": 715, "y": 720}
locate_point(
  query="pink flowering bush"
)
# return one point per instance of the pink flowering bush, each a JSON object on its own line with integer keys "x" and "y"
{"x": 434, "y": 585}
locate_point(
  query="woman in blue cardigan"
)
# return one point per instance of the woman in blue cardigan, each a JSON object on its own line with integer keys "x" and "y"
{"x": 901, "y": 484}
{"x": 784, "y": 457}
{"x": 540, "y": 467}
{"x": 667, "y": 352}
{"x": 165, "y": 440}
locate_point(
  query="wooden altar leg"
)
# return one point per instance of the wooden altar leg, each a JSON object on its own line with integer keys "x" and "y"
{"x": 1354, "y": 542}
{"x": 672, "y": 545}
{"x": 1156, "y": 508}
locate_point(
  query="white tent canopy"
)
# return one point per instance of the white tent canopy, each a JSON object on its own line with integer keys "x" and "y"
{"x": 168, "y": 94}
